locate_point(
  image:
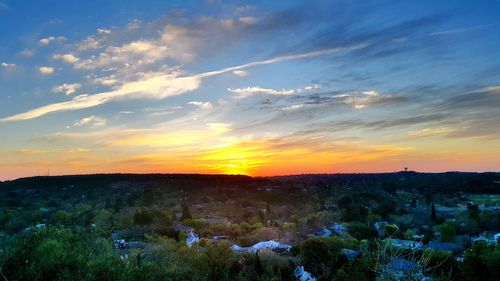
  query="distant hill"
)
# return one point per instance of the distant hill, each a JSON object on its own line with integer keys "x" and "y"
{"x": 431, "y": 182}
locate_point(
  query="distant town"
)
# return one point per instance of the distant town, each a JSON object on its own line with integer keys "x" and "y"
{"x": 394, "y": 226}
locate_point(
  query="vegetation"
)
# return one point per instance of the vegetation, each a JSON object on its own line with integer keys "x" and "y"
{"x": 70, "y": 228}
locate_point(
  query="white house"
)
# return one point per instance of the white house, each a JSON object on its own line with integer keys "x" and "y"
{"x": 271, "y": 244}
{"x": 405, "y": 244}
{"x": 192, "y": 238}
{"x": 303, "y": 275}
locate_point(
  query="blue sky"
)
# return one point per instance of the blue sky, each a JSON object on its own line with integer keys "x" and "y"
{"x": 254, "y": 87}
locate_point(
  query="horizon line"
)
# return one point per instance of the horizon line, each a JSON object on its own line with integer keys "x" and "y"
{"x": 250, "y": 176}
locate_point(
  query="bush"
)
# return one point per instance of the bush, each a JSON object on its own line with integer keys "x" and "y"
{"x": 322, "y": 254}
{"x": 361, "y": 231}
{"x": 481, "y": 263}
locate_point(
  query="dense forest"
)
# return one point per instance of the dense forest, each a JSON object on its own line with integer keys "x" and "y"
{"x": 393, "y": 226}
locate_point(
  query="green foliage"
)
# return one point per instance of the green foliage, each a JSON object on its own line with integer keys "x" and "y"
{"x": 71, "y": 249}
{"x": 143, "y": 218}
{"x": 481, "y": 263}
{"x": 361, "y": 269}
{"x": 103, "y": 217}
{"x": 447, "y": 232}
{"x": 361, "y": 231}
{"x": 391, "y": 229}
{"x": 441, "y": 264}
{"x": 186, "y": 213}
{"x": 473, "y": 211}
{"x": 409, "y": 234}
{"x": 322, "y": 254}
{"x": 215, "y": 261}
{"x": 62, "y": 216}
{"x": 433, "y": 212}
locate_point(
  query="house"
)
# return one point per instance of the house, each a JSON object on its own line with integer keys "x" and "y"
{"x": 123, "y": 244}
{"x": 192, "y": 238}
{"x": 303, "y": 275}
{"x": 350, "y": 254}
{"x": 271, "y": 244}
{"x": 240, "y": 249}
{"x": 322, "y": 232}
{"x": 36, "y": 227}
{"x": 338, "y": 229}
{"x": 443, "y": 246}
{"x": 405, "y": 244}
{"x": 488, "y": 238}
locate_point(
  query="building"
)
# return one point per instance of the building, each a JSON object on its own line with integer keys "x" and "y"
{"x": 192, "y": 238}
{"x": 444, "y": 246}
{"x": 303, "y": 275}
{"x": 350, "y": 254}
{"x": 322, "y": 232}
{"x": 338, "y": 229}
{"x": 271, "y": 244}
{"x": 405, "y": 244}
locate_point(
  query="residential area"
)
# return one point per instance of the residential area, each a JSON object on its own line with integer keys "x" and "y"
{"x": 395, "y": 226}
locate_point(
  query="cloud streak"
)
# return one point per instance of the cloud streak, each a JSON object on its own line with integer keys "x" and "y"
{"x": 158, "y": 85}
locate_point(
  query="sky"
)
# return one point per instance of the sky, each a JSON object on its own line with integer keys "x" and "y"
{"x": 248, "y": 87}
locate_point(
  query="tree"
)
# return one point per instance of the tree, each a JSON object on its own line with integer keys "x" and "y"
{"x": 344, "y": 201}
{"x": 321, "y": 255}
{"x": 433, "y": 212}
{"x": 143, "y": 218}
{"x": 447, "y": 233}
{"x": 481, "y": 263}
{"x": 186, "y": 214}
{"x": 391, "y": 229}
{"x": 361, "y": 231}
{"x": 473, "y": 211}
{"x": 62, "y": 216}
{"x": 215, "y": 262}
{"x": 409, "y": 234}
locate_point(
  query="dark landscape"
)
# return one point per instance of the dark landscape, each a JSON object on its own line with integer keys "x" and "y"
{"x": 392, "y": 226}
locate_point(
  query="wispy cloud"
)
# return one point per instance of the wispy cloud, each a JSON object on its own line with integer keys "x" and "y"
{"x": 460, "y": 30}
{"x": 46, "y": 70}
{"x": 202, "y": 105}
{"x": 258, "y": 90}
{"x": 278, "y": 59}
{"x": 241, "y": 73}
{"x": 7, "y": 65}
{"x": 69, "y": 58}
{"x": 158, "y": 85}
{"x": 92, "y": 121}
{"x": 66, "y": 88}
{"x": 46, "y": 41}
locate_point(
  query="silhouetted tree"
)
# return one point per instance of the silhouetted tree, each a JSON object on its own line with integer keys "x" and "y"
{"x": 186, "y": 214}
{"x": 433, "y": 212}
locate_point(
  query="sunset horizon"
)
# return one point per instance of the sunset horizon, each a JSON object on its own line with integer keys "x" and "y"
{"x": 260, "y": 89}
{"x": 249, "y": 140}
